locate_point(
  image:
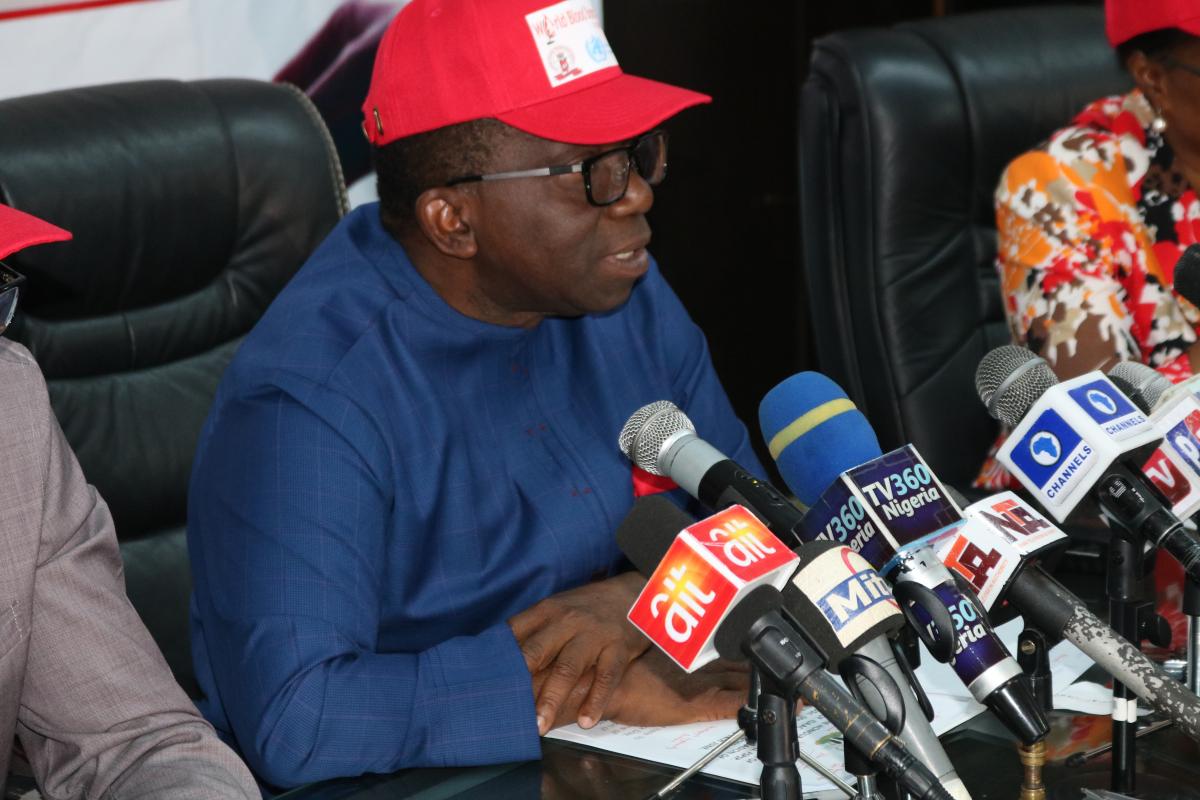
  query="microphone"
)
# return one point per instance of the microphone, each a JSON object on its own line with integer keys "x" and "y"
{"x": 1187, "y": 275}
{"x": 754, "y": 625}
{"x": 1077, "y": 439}
{"x": 996, "y": 551}
{"x": 842, "y": 605}
{"x": 847, "y": 609}
{"x": 660, "y": 439}
{"x": 888, "y": 508}
{"x": 695, "y": 577}
{"x": 1174, "y": 467}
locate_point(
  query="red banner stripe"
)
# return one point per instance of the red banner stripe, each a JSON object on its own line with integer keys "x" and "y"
{"x": 58, "y": 8}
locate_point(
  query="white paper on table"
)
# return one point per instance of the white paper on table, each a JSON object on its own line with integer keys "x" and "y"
{"x": 1088, "y": 697}
{"x": 683, "y": 745}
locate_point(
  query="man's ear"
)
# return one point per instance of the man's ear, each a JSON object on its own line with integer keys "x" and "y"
{"x": 1150, "y": 76}
{"x": 443, "y": 215}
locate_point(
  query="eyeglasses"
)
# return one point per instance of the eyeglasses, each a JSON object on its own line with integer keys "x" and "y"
{"x": 605, "y": 175}
{"x": 1172, "y": 62}
{"x": 10, "y": 279}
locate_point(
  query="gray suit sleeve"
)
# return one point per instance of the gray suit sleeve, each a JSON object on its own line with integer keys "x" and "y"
{"x": 101, "y": 715}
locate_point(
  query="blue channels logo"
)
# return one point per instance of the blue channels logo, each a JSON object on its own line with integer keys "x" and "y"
{"x": 1045, "y": 451}
{"x": 1045, "y": 448}
{"x": 1101, "y": 400}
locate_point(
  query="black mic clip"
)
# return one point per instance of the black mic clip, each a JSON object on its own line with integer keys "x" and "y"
{"x": 1033, "y": 656}
{"x": 857, "y": 670}
{"x": 1132, "y": 507}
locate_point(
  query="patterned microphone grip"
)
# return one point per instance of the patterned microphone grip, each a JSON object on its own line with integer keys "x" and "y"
{"x": 1185, "y": 546}
{"x": 1048, "y": 605}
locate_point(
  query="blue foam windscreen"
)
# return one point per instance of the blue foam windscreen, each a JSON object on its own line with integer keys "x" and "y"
{"x": 814, "y": 432}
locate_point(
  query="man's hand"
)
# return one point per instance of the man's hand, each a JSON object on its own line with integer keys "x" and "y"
{"x": 655, "y": 691}
{"x": 580, "y": 634}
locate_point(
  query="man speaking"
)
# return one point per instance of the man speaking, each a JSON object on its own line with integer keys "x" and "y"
{"x": 403, "y": 505}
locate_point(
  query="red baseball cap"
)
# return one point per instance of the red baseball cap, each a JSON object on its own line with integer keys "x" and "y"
{"x": 19, "y": 230}
{"x": 1129, "y": 18}
{"x": 541, "y": 66}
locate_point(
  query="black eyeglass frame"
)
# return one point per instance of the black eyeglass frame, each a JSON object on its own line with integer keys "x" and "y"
{"x": 10, "y": 280}
{"x": 584, "y": 167}
{"x": 1174, "y": 63}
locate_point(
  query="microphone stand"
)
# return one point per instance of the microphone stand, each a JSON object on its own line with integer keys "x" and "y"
{"x": 1123, "y": 583}
{"x": 1191, "y": 608}
{"x": 748, "y": 729}
{"x": 777, "y": 747}
{"x": 1134, "y": 517}
{"x": 1033, "y": 655}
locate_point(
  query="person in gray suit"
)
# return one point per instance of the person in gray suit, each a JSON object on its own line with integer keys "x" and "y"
{"x": 82, "y": 684}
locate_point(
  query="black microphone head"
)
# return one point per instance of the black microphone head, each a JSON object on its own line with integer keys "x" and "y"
{"x": 646, "y": 431}
{"x": 647, "y": 531}
{"x": 1187, "y": 275}
{"x": 840, "y": 602}
{"x": 732, "y": 630}
{"x": 1143, "y": 385}
{"x": 1009, "y": 381}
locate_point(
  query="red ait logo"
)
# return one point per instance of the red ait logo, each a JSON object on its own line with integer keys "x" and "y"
{"x": 562, "y": 60}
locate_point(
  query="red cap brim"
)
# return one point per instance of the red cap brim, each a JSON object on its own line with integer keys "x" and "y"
{"x": 612, "y": 111}
{"x": 19, "y": 230}
{"x": 1123, "y": 21}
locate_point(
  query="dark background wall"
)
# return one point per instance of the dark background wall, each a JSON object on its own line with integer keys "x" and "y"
{"x": 726, "y": 220}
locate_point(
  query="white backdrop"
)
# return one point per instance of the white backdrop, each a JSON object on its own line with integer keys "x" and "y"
{"x": 186, "y": 39}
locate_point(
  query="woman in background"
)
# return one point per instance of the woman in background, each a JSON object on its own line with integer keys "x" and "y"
{"x": 1092, "y": 221}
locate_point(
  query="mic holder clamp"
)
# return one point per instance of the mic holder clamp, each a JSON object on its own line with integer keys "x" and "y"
{"x": 1033, "y": 656}
{"x": 910, "y": 675}
{"x": 1129, "y": 503}
{"x": 747, "y": 716}
{"x": 1151, "y": 626}
{"x": 858, "y": 764}
{"x": 769, "y": 721}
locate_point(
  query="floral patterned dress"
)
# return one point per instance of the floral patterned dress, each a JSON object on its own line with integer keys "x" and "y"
{"x": 1091, "y": 224}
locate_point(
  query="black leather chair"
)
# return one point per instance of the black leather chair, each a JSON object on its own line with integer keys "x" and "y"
{"x": 904, "y": 134}
{"x": 192, "y": 204}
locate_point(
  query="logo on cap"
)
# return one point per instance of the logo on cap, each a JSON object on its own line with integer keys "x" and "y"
{"x": 1045, "y": 448}
{"x": 597, "y": 48}
{"x": 563, "y": 60}
{"x": 564, "y": 29}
